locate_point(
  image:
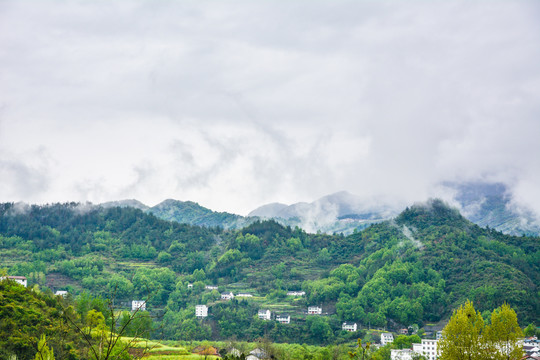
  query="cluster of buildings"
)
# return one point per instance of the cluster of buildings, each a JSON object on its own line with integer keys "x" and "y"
{"x": 266, "y": 314}
{"x": 427, "y": 348}
{"x": 531, "y": 347}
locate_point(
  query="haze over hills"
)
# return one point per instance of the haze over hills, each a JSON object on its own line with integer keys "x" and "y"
{"x": 486, "y": 204}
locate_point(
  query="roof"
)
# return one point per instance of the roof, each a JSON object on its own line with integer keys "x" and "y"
{"x": 17, "y": 277}
{"x": 347, "y": 323}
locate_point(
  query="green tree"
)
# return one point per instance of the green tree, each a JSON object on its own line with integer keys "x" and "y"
{"x": 44, "y": 353}
{"x": 530, "y": 330}
{"x": 503, "y": 333}
{"x": 467, "y": 337}
{"x": 462, "y": 336}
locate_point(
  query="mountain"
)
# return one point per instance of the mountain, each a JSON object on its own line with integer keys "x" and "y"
{"x": 413, "y": 269}
{"x": 484, "y": 203}
{"x": 126, "y": 203}
{"x": 341, "y": 212}
{"x": 188, "y": 212}
{"x": 492, "y": 204}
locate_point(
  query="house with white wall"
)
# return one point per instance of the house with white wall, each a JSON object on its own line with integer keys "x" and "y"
{"x": 18, "y": 279}
{"x": 138, "y": 305}
{"x": 314, "y": 310}
{"x": 201, "y": 311}
{"x": 349, "y": 326}
{"x": 227, "y": 296}
{"x": 428, "y": 348}
{"x": 264, "y": 314}
{"x": 283, "y": 319}
{"x": 387, "y": 338}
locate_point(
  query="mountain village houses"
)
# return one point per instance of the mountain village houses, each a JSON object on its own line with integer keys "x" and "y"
{"x": 201, "y": 311}
{"x": 428, "y": 348}
{"x": 283, "y": 319}
{"x": 138, "y": 305}
{"x": 386, "y": 338}
{"x": 314, "y": 310}
{"x": 296, "y": 293}
{"x": 264, "y": 314}
{"x": 227, "y": 296}
{"x": 349, "y": 326}
{"x": 18, "y": 279}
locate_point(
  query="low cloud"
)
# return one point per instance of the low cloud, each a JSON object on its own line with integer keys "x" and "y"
{"x": 238, "y": 104}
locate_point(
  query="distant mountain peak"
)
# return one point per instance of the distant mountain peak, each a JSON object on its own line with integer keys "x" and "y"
{"x": 125, "y": 203}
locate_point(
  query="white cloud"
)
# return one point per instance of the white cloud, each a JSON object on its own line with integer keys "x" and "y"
{"x": 235, "y": 104}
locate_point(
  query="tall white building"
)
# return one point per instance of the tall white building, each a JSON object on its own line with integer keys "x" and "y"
{"x": 387, "y": 338}
{"x": 428, "y": 348}
{"x": 201, "y": 311}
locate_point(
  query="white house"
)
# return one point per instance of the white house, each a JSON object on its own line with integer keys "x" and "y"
{"x": 138, "y": 305}
{"x": 62, "y": 293}
{"x": 386, "y": 338}
{"x": 227, "y": 296}
{"x": 428, "y": 348}
{"x": 296, "y": 293}
{"x": 439, "y": 335}
{"x": 210, "y": 287}
{"x": 190, "y": 286}
{"x": 264, "y": 314}
{"x": 283, "y": 319}
{"x": 314, "y": 310}
{"x": 244, "y": 295}
{"x": 404, "y": 354}
{"x": 201, "y": 311}
{"x": 18, "y": 279}
{"x": 349, "y": 326}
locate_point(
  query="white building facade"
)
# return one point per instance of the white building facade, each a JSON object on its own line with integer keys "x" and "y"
{"x": 264, "y": 314}
{"x": 428, "y": 348}
{"x": 201, "y": 311}
{"x": 349, "y": 326}
{"x": 314, "y": 310}
{"x": 387, "y": 338}
{"x": 227, "y": 296}
{"x": 283, "y": 319}
{"x": 138, "y": 305}
{"x": 18, "y": 279}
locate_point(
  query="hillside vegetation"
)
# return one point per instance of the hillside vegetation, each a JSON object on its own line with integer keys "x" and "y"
{"x": 411, "y": 270}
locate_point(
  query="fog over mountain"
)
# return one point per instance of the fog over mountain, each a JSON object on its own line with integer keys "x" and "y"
{"x": 486, "y": 204}
{"x": 236, "y": 104}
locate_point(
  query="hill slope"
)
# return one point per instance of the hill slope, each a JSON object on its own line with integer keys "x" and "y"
{"x": 413, "y": 269}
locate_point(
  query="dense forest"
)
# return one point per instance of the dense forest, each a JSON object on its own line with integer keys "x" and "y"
{"x": 407, "y": 272}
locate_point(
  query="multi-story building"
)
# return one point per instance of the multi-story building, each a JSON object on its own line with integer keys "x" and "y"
{"x": 314, "y": 310}
{"x": 201, "y": 311}
{"x": 428, "y": 348}
{"x": 264, "y": 314}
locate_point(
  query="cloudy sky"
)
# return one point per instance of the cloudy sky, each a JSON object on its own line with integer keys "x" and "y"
{"x": 234, "y": 104}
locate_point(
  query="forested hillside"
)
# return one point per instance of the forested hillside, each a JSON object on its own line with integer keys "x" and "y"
{"x": 411, "y": 270}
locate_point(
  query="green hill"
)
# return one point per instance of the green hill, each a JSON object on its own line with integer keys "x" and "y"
{"x": 413, "y": 269}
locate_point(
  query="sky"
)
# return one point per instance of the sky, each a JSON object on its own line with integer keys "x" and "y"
{"x": 235, "y": 104}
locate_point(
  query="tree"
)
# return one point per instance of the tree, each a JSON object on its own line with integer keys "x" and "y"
{"x": 44, "y": 353}
{"x": 461, "y": 337}
{"x": 503, "y": 333}
{"x": 362, "y": 352}
{"x": 467, "y": 337}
